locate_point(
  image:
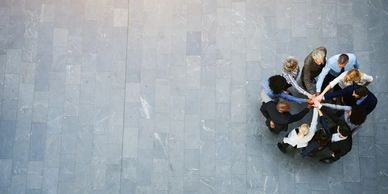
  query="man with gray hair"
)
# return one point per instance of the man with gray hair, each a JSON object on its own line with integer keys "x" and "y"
{"x": 313, "y": 65}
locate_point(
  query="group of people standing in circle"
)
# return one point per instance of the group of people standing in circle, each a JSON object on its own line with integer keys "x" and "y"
{"x": 335, "y": 89}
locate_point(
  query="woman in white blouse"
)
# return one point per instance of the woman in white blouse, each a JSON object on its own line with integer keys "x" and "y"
{"x": 348, "y": 78}
{"x": 290, "y": 72}
{"x": 299, "y": 137}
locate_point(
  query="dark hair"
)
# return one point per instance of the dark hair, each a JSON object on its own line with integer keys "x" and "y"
{"x": 277, "y": 84}
{"x": 358, "y": 115}
{"x": 343, "y": 59}
{"x": 362, "y": 91}
{"x": 344, "y": 130}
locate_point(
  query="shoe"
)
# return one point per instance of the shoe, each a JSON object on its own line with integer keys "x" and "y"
{"x": 281, "y": 147}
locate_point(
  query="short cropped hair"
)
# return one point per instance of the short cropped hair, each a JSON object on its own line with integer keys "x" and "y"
{"x": 318, "y": 54}
{"x": 358, "y": 115}
{"x": 283, "y": 106}
{"x": 277, "y": 83}
{"x": 344, "y": 130}
{"x": 362, "y": 91}
{"x": 343, "y": 59}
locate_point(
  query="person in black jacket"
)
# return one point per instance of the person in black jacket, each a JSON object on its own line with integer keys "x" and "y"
{"x": 340, "y": 143}
{"x": 278, "y": 116}
{"x": 355, "y": 95}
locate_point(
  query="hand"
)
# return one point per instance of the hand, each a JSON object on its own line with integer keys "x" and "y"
{"x": 317, "y": 104}
{"x": 309, "y": 101}
{"x": 318, "y": 98}
{"x": 272, "y": 124}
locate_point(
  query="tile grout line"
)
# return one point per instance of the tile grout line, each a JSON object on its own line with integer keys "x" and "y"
{"x": 125, "y": 93}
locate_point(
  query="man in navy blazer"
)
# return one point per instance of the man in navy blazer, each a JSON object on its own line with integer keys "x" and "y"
{"x": 356, "y": 95}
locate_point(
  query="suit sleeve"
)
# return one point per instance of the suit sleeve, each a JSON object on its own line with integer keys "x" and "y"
{"x": 331, "y": 115}
{"x": 307, "y": 74}
{"x": 298, "y": 116}
{"x": 343, "y": 92}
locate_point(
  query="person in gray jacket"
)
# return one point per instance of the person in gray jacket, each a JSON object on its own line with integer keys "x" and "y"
{"x": 313, "y": 65}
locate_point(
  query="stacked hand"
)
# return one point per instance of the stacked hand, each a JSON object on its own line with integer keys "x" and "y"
{"x": 314, "y": 100}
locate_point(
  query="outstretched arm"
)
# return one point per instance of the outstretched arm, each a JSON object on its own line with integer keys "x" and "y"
{"x": 299, "y": 115}
{"x": 292, "y": 98}
{"x": 343, "y": 92}
{"x": 337, "y": 107}
{"x": 321, "y": 77}
{"x": 297, "y": 87}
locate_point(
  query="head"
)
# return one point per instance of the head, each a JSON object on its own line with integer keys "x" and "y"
{"x": 360, "y": 92}
{"x": 277, "y": 84}
{"x": 343, "y": 130}
{"x": 290, "y": 64}
{"x": 283, "y": 106}
{"x": 343, "y": 60}
{"x": 304, "y": 129}
{"x": 353, "y": 75}
{"x": 318, "y": 56}
{"x": 358, "y": 115}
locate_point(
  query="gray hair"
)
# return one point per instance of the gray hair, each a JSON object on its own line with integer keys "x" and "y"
{"x": 318, "y": 55}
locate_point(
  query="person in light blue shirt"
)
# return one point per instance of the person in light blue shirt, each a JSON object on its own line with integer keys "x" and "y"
{"x": 336, "y": 65}
{"x": 276, "y": 87}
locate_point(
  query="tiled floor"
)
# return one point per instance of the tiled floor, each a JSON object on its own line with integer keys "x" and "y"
{"x": 152, "y": 96}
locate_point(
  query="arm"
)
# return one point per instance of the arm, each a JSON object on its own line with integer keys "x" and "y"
{"x": 346, "y": 90}
{"x": 314, "y": 122}
{"x": 297, "y": 87}
{"x": 337, "y": 107}
{"x": 321, "y": 77}
{"x": 333, "y": 83}
{"x": 324, "y": 123}
{"x": 292, "y": 98}
{"x": 331, "y": 114}
{"x": 298, "y": 116}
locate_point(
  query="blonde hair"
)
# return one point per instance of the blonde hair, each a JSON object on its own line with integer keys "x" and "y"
{"x": 304, "y": 129}
{"x": 318, "y": 55}
{"x": 353, "y": 75}
{"x": 290, "y": 64}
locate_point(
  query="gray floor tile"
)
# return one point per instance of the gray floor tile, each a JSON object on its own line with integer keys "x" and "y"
{"x": 142, "y": 97}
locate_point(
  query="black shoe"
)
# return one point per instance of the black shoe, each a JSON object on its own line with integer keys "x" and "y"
{"x": 281, "y": 147}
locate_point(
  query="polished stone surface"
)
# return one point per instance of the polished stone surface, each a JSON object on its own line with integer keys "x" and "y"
{"x": 144, "y": 96}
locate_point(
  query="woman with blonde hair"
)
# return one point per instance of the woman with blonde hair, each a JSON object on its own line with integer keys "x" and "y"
{"x": 348, "y": 78}
{"x": 299, "y": 137}
{"x": 290, "y": 72}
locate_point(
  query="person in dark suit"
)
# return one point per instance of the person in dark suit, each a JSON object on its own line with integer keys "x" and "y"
{"x": 340, "y": 143}
{"x": 355, "y": 95}
{"x": 278, "y": 116}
